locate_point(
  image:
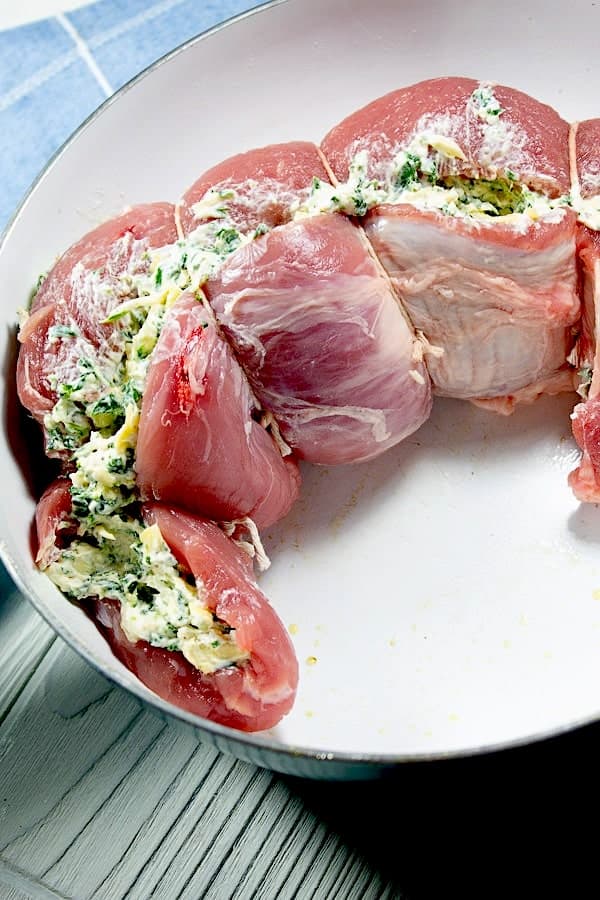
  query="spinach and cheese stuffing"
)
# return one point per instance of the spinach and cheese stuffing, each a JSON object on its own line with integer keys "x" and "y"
{"x": 94, "y": 426}
{"x": 119, "y": 558}
{"x": 417, "y": 175}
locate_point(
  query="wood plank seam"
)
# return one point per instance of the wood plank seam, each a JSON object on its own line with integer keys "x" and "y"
{"x": 6, "y": 712}
{"x": 300, "y": 846}
{"x": 288, "y": 805}
{"x": 128, "y": 728}
{"x": 220, "y": 759}
{"x": 241, "y": 827}
{"x": 121, "y": 734}
{"x": 299, "y": 890}
{"x": 13, "y": 876}
{"x": 153, "y": 811}
{"x": 214, "y": 799}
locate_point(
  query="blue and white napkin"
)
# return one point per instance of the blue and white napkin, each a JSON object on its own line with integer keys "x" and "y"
{"x": 55, "y": 72}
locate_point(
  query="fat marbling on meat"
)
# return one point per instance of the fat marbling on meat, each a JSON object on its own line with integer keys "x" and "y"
{"x": 310, "y": 313}
{"x": 65, "y": 336}
{"x": 585, "y": 149}
{"x": 496, "y": 292}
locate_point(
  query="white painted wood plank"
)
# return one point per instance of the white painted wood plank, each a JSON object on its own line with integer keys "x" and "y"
{"x": 390, "y": 892}
{"x": 10, "y": 893}
{"x": 289, "y": 855}
{"x": 122, "y": 815}
{"x": 330, "y": 874}
{"x": 330, "y": 869}
{"x": 185, "y": 824}
{"x": 25, "y": 640}
{"x": 207, "y": 878}
{"x": 45, "y": 750}
{"x": 16, "y": 885}
{"x": 260, "y": 846}
{"x": 344, "y": 885}
{"x": 47, "y": 841}
{"x": 364, "y": 885}
{"x": 329, "y": 889}
{"x": 333, "y": 873}
{"x": 310, "y": 835}
{"x": 232, "y": 798}
{"x": 157, "y": 830}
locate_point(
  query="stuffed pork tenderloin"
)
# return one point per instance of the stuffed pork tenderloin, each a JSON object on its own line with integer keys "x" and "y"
{"x": 585, "y": 166}
{"x": 104, "y": 320}
{"x": 69, "y": 351}
{"x": 308, "y": 309}
{"x": 178, "y": 603}
{"x": 464, "y": 186}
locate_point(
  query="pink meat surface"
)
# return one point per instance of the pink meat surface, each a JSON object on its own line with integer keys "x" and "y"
{"x": 501, "y": 303}
{"x": 115, "y": 247}
{"x": 532, "y": 141}
{"x": 312, "y": 316}
{"x": 587, "y": 156}
{"x": 199, "y": 446}
{"x": 585, "y": 479}
{"x": 250, "y": 696}
{"x": 499, "y": 297}
{"x": 52, "y": 517}
{"x": 42, "y": 359}
{"x": 266, "y": 182}
{"x": 325, "y": 345}
{"x": 77, "y": 295}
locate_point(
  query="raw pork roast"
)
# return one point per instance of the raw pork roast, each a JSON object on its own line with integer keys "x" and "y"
{"x": 439, "y": 241}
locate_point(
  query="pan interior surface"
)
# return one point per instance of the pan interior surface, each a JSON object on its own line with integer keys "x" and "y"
{"x": 444, "y": 598}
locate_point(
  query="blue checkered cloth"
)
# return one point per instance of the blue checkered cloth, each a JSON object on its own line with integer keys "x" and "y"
{"x": 54, "y": 73}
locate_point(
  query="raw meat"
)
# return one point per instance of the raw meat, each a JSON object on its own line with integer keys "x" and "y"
{"x": 501, "y": 303}
{"x": 324, "y": 343}
{"x": 199, "y": 446}
{"x": 312, "y": 316}
{"x": 52, "y": 520}
{"x": 528, "y": 138}
{"x": 64, "y": 331}
{"x": 266, "y": 182}
{"x": 116, "y": 247}
{"x": 251, "y": 696}
{"x": 321, "y": 313}
{"x": 497, "y": 293}
{"x": 585, "y": 479}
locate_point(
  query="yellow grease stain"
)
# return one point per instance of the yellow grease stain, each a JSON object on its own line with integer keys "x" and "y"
{"x": 340, "y": 517}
